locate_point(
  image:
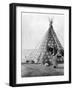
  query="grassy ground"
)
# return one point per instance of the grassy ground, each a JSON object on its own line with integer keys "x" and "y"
{"x": 32, "y": 70}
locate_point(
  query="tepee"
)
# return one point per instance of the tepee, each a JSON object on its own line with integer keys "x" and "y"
{"x": 50, "y": 45}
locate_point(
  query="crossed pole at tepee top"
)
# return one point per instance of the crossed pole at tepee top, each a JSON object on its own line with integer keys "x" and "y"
{"x": 51, "y": 20}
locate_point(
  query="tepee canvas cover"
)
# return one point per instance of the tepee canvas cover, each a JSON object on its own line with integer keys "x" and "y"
{"x": 50, "y": 40}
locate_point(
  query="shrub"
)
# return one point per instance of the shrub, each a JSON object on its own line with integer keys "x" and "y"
{"x": 32, "y": 62}
{"x": 27, "y": 61}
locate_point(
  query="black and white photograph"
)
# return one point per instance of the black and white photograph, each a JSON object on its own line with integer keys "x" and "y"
{"x": 40, "y": 44}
